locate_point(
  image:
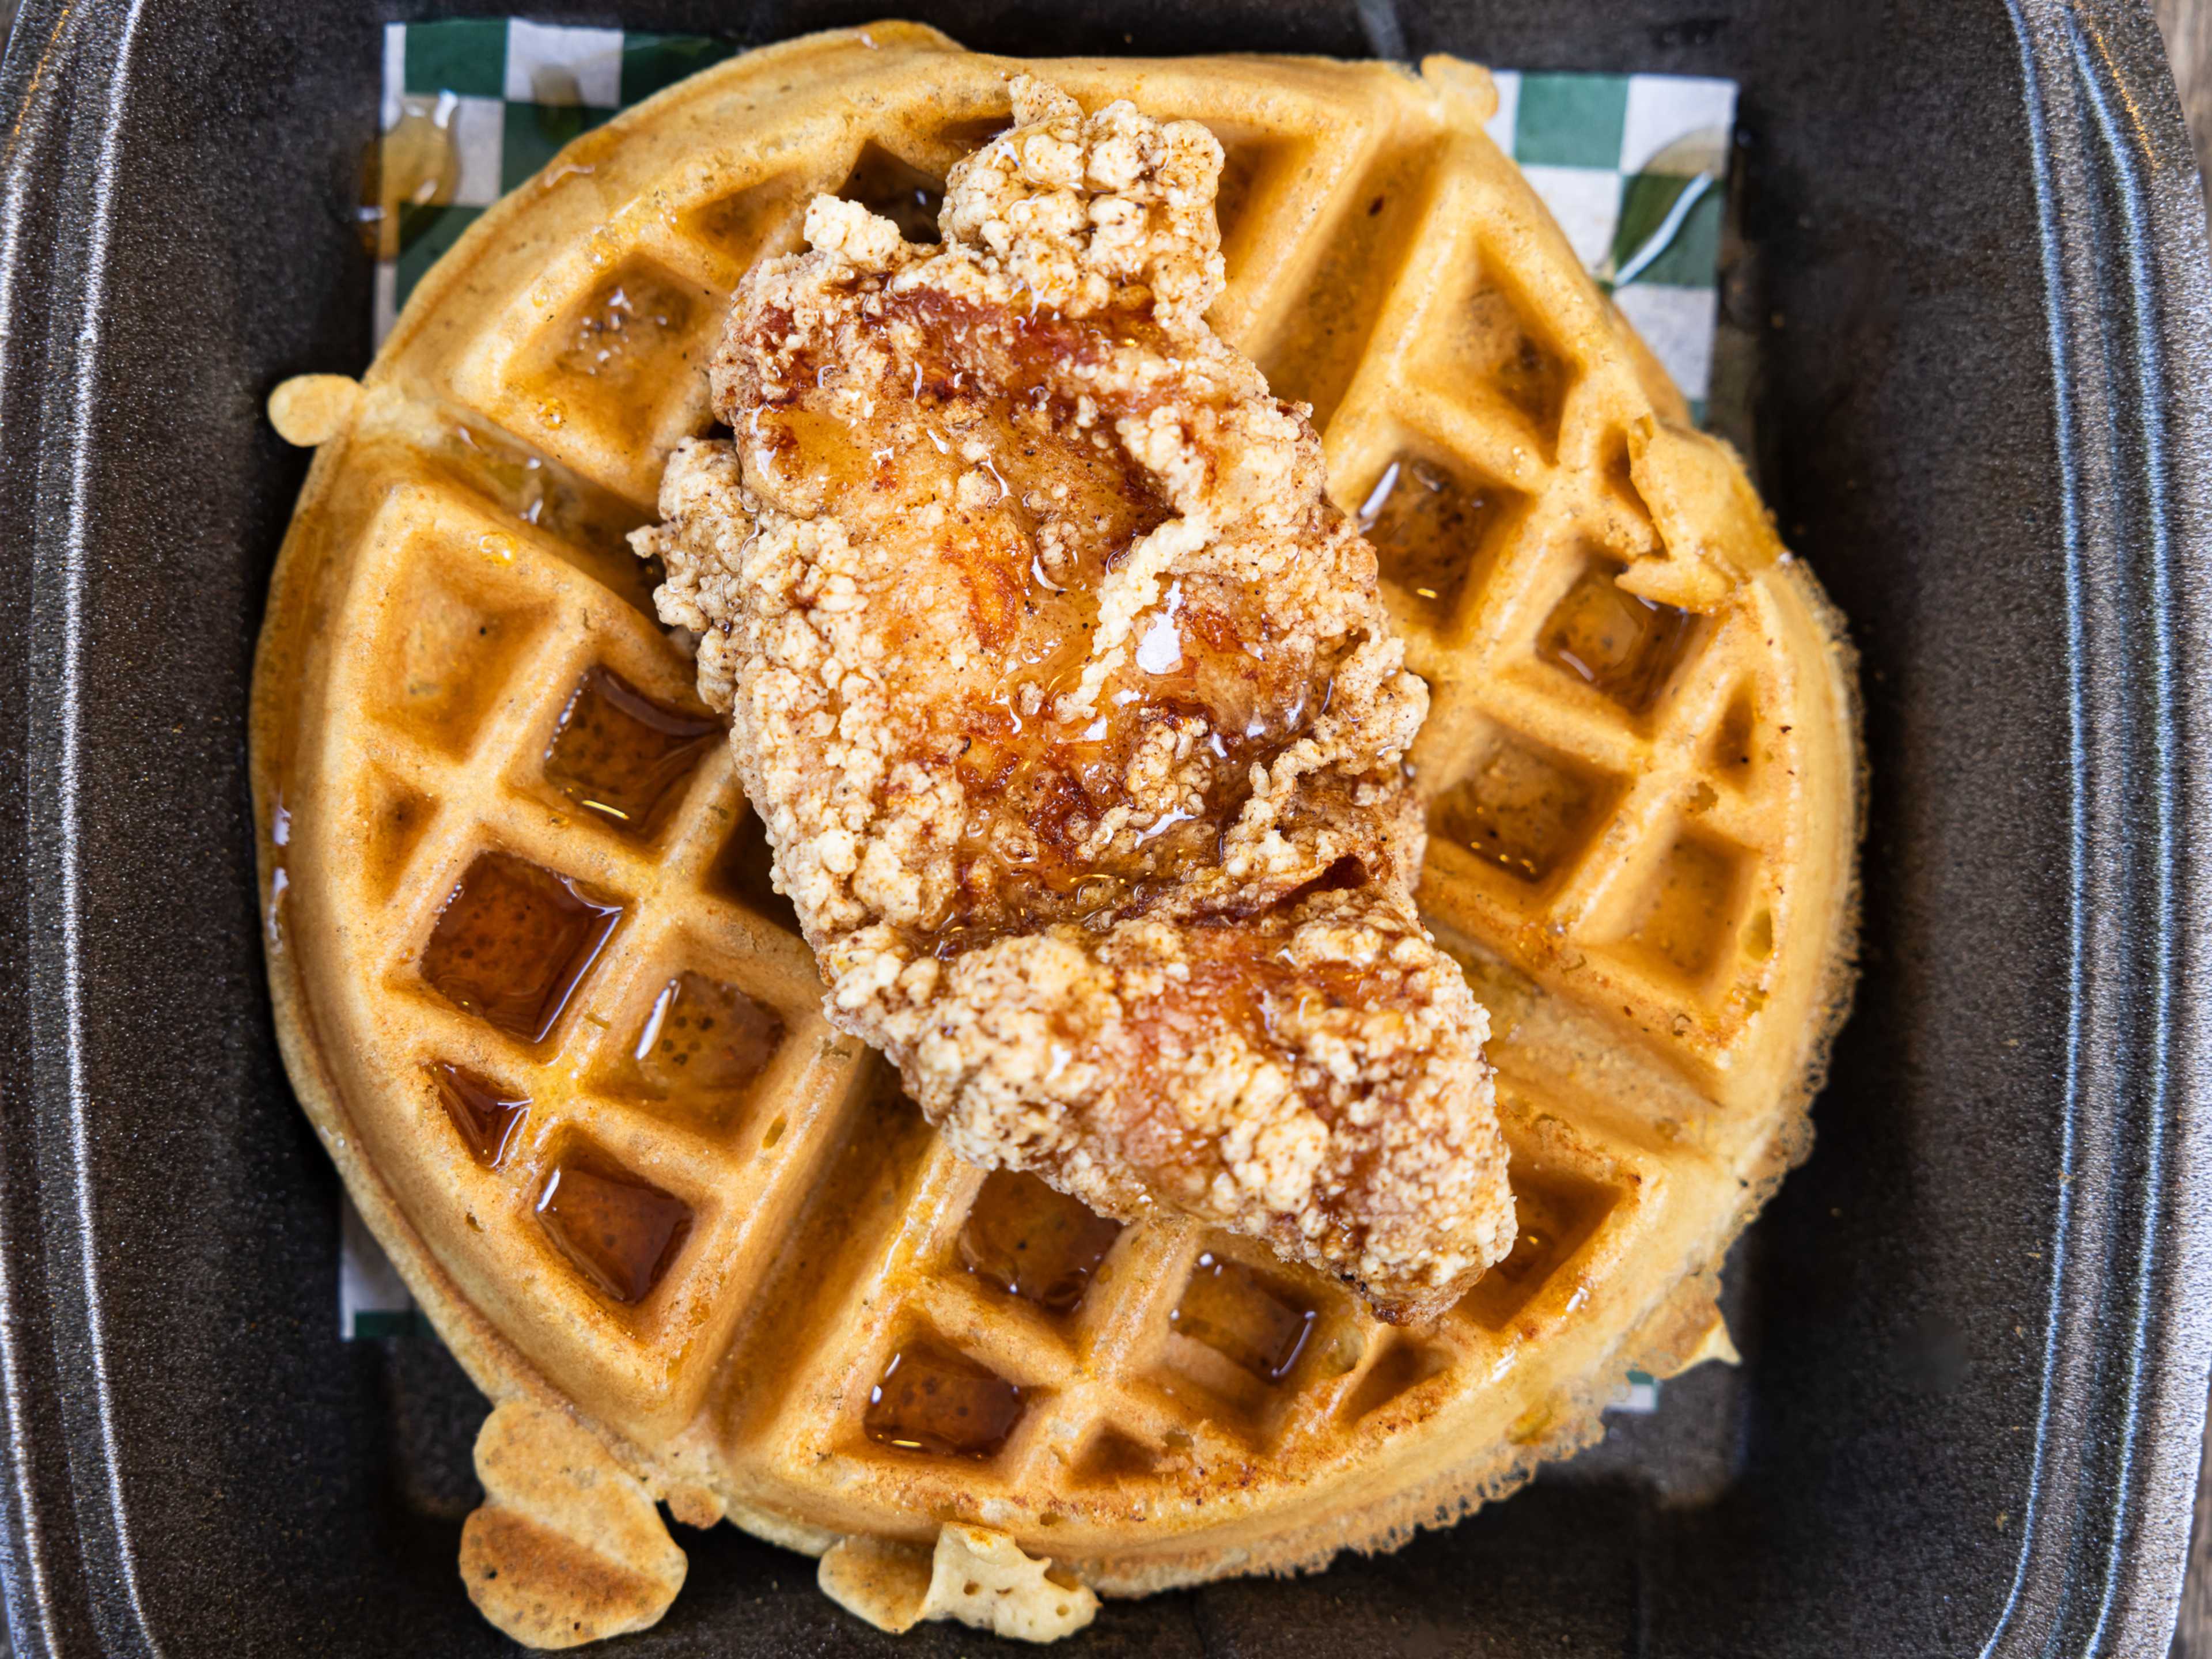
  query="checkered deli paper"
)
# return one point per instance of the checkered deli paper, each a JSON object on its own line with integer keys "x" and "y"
{"x": 1632, "y": 167}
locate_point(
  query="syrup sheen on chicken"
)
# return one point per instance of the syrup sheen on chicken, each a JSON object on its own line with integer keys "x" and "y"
{"x": 1076, "y": 719}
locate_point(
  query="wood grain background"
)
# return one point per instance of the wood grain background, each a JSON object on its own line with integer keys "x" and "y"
{"x": 2188, "y": 26}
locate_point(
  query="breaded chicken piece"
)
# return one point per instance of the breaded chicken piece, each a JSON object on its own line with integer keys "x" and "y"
{"x": 1075, "y": 718}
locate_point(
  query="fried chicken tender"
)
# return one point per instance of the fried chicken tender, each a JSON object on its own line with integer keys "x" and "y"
{"x": 1075, "y": 719}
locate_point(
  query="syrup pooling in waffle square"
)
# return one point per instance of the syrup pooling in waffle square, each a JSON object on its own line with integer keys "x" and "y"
{"x": 563, "y": 1039}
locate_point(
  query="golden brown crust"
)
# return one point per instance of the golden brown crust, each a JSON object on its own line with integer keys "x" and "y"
{"x": 746, "y": 1378}
{"x": 1075, "y": 716}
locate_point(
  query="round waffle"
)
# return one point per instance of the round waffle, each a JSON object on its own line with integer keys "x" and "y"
{"x": 538, "y": 995}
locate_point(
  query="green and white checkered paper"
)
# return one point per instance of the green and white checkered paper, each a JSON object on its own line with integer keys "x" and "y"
{"x": 1631, "y": 167}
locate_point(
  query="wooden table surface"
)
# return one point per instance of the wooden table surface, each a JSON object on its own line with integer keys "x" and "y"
{"x": 2188, "y": 26}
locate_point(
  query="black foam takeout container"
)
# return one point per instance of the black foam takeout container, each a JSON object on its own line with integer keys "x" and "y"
{"x": 1972, "y": 295}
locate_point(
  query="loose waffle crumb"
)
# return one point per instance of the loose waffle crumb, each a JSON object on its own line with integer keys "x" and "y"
{"x": 1075, "y": 717}
{"x": 983, "y": 1578}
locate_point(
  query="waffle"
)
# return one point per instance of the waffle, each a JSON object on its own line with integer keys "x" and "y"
{"x": 538, "y": 995}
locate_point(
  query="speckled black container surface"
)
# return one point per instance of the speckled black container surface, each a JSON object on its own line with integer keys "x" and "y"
{"x": 1976, "y": 1325}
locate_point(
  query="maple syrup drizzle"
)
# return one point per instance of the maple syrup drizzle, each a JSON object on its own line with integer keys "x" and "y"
{"x": 413, "y": 167}
{"x": 1041, "y": 771}
{"x": 1428, "y": 527}
{"x": 1623, "y": 645}
{"x": 1033, "y": 1243}
{"x": 1554, "y": 1216}
{"x": 1543, "y": 1216}
{"x": 934, "y": 1400}
{"x": 487, "y": 1116}
{"x": 625, "y": 325}
{"x": 512, "y": 942}
{"x": 280, "y": 878}
{"x": 591, "y": 523}
{"x": 621, "y": 756}
{"x": 1235, "y": 1312}
{"x": 621, "y": 1232}
{"x": 1522, "y": 812}
{"x": 703, "y": 1041}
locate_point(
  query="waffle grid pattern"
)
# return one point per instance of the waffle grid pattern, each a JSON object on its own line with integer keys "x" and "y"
{"x": 674, "y": 915}
{"x": 1115, "y": 1365}
{"x": 1129, "y": 1398}
{"x": 1616, "y": 158}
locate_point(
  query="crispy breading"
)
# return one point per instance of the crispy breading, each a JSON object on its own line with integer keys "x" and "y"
{"x": 1075, "y": 718}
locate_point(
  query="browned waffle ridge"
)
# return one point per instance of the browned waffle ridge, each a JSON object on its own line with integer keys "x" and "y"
{"x": 499, "y": 847}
